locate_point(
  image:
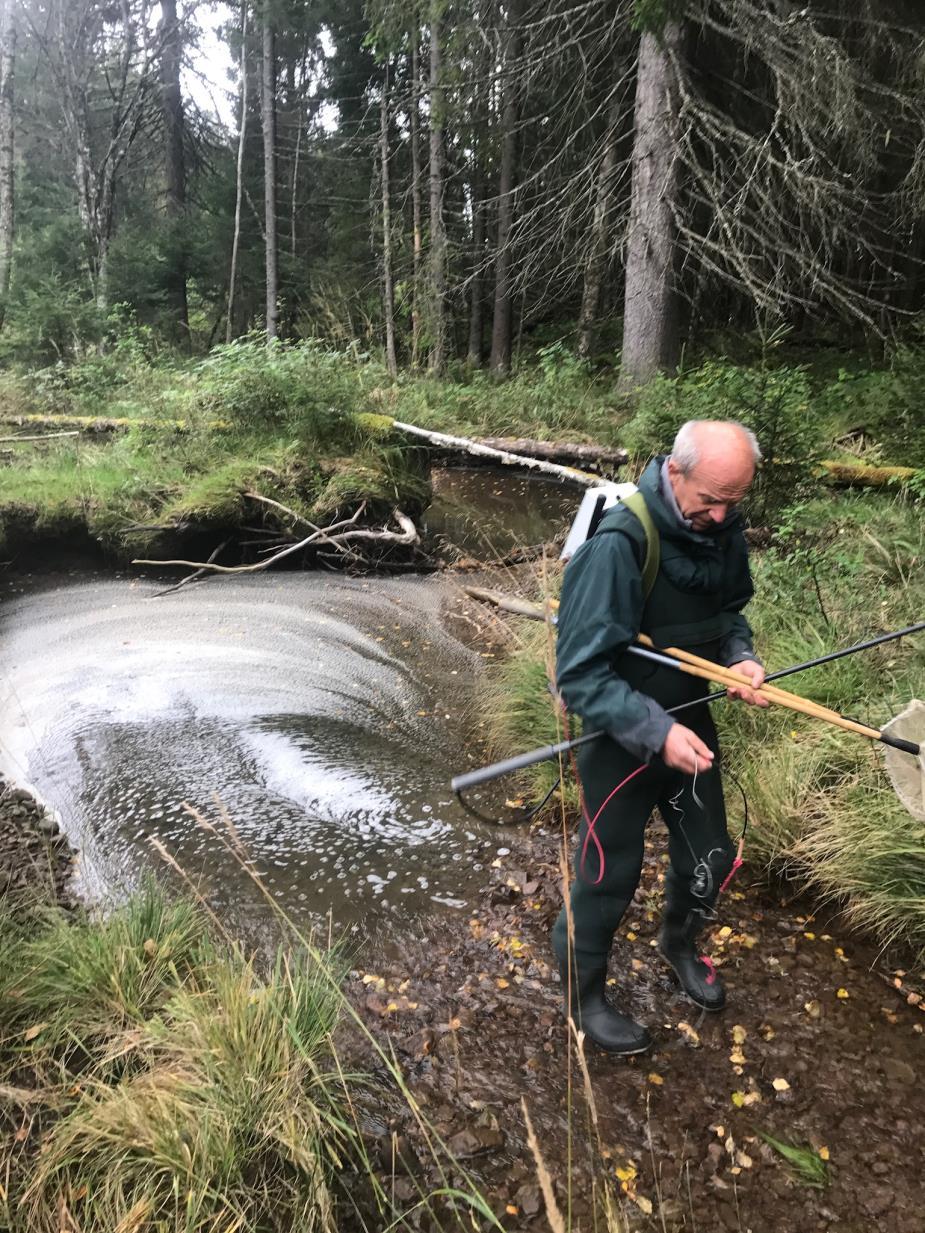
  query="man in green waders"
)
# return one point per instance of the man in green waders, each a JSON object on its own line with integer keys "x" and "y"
{"x": 689, "y": 525}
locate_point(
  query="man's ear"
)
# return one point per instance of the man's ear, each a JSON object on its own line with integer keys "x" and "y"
{"x": 673, "y": 469}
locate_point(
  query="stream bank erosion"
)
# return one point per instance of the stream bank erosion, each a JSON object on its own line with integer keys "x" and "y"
{"x": 36, "y": 860}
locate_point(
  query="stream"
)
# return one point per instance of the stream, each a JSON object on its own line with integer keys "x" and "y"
{"x": 323, "y": 715}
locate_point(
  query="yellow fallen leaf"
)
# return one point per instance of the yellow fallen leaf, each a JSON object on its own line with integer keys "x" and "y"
{"x": 824, "y": 1153}
{"x": 31, "y": 1033}
{"x": 725, "y": 932}
{"x": 689, "y": 1032}
{"x": 512, "y": 1209}
{"x": 737, "y": 1057}
{"x": 735, "y": 1170}
{"x": 780, "y": 1085}
{"x": 842, "y": 993}
{"x": 516, "y": 803}
{"x": 738, "y": 1099}
{"x": 720, "y": 1131}
{"x": 630, "y": 936}
{"x": 743, "y": 1160}
{"x": 644, "y": 1204}
{"x": 739, "y": 1034}
{"x": 810, "y": 936}
{"x": 656, "y": 1079}
{"x": 502, "y": 983}
{"x": 626, "y": 1173}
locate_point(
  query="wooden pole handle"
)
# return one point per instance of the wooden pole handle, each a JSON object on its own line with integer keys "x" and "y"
{"x": 793, "y": 702}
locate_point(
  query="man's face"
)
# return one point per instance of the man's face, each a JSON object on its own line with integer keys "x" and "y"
{"x": 710, "y": 490}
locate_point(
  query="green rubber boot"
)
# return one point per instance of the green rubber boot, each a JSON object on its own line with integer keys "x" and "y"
{"x": 586, "y": 1004}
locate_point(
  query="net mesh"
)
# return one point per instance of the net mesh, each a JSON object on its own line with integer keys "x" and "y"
{"x": 907, "y": 772}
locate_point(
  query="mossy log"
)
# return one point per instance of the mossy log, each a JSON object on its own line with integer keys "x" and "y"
{"x": 861, "y": 475}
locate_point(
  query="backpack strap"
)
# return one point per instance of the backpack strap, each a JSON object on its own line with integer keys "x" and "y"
{"x": 635, "y": 502}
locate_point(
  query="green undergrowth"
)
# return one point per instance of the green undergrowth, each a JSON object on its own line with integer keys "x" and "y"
{"x": 174, "y": 1083}
{"x": 145, "y": 478}
{"x": 310, "y": 426}
{"x": 840, "y": 570}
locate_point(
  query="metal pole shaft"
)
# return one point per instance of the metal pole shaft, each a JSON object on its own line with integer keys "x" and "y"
{"x": 486, "y": 773}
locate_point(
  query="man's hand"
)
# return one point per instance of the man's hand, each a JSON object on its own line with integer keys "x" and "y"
{"x": 755, "y": 673}
{"x": 685, "y": 751}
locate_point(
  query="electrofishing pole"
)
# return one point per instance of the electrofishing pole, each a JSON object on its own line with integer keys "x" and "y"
{"x": 485, "y": 774}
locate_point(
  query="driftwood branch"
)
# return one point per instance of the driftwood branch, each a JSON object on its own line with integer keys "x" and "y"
{"x": 504, "y": 457}
{"x": 199, "y": 573}
{"x": 256, "y": 496}
{"x": 336, "y": 536}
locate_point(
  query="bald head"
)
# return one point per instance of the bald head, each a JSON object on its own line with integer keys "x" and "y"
{"x": 711, "y": 466}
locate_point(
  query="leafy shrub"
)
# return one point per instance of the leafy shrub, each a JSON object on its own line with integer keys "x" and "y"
{"x": 881, "y": 409}
{"x": 775, "y": 403}
{"x": 313, "y": 391}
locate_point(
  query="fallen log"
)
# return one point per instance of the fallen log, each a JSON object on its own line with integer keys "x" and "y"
{"x": 504, "y": 457}
{"x": 858, "y": 474}
{"x": 560, "y": 451}
{"x": 102, "y": 423}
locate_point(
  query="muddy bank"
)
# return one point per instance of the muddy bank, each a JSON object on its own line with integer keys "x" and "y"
{"x": 821, "y": 1046}
{"x": 36, "y": 860}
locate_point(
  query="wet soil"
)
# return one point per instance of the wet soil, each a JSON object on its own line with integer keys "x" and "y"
{"x": 821, "y": 1047}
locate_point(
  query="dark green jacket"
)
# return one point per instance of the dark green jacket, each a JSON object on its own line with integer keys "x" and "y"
{"x": 702, "y": 586}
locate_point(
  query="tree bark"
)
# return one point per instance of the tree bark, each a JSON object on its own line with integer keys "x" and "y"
{"x": 597, "y": 258}
{"x": 7, "y": 59}
{"x": 268, "y": 118}
{"x": 476, "y": 307}
{"x": 175, "y": 169}
{"x": 239, "y": 184}
{"x": 650, "y": 319}
{"x": 414, "y": 128}
{"x": 388, "y": 294}
{"x": 437, "y": 289}
{"x": 501, "y": 321}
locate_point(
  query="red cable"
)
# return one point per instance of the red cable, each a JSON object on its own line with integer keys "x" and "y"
{"x": 593, "y": 822}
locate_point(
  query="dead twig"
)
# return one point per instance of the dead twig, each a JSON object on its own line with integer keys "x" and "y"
{"x": 322, "y": 536}
{"x": 191, "y": 577}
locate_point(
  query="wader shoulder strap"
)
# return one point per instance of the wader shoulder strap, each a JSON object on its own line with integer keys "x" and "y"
{"x": 635, "y": 502}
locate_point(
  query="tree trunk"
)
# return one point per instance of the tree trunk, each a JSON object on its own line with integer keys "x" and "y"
{"x": 476, "y": 313}
{"x": 388, "y": 295}
{"x": 501, "y": 321}
{"x": 437, "y": 322}
{"x": 414, "y": 126}
{"x": 268, "y": 117}
{"x": 175, "y": 170}
{"x": 597, "y": 258}
{"x": 229, "y": 324}
{"x": 650, "y": 319}
{"x": 7, "y": 58}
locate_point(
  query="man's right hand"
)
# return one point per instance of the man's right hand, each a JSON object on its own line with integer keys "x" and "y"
{"x": 685, "y": 751}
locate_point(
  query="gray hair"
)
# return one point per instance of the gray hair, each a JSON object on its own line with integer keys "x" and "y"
{"x": 686, "y": 451}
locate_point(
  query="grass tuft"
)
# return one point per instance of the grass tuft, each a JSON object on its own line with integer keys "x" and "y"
{"x": 804, "y": 1164}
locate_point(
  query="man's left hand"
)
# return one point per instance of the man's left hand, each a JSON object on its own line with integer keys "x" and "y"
{"x": 755, "y": 673}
